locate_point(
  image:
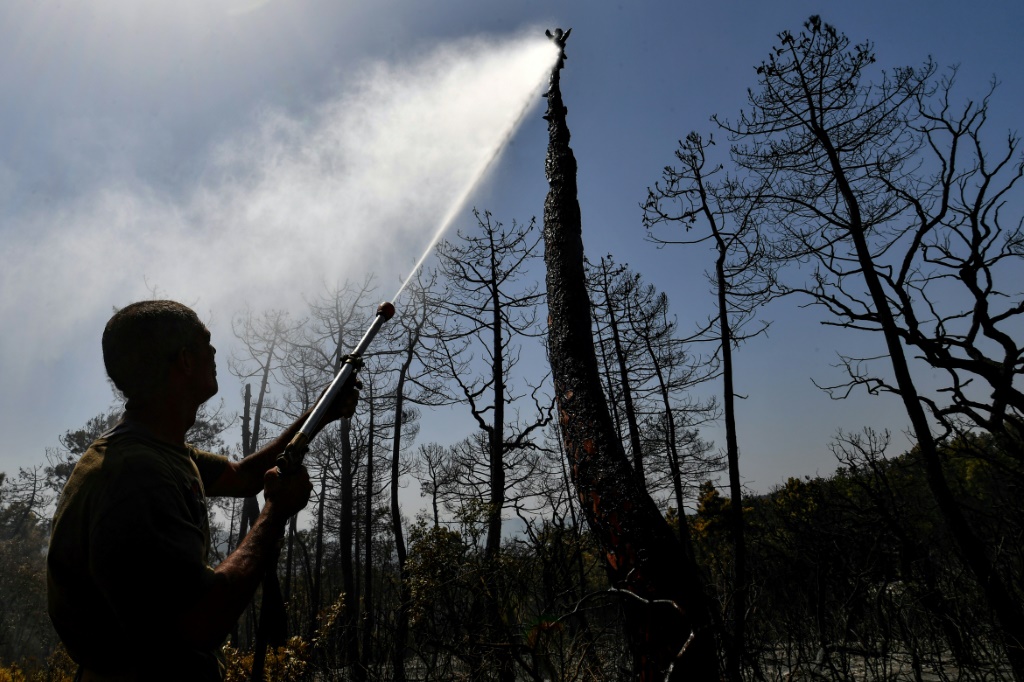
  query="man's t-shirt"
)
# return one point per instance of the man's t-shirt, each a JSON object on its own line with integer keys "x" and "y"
{"x": 128, "y": 554}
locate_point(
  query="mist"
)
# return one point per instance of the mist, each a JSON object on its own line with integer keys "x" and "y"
{"x": 356, "y": 185}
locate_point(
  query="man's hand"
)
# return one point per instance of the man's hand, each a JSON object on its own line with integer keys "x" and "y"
{"x": 286, "y": 495}
{"x": 344, "y": 406}
{"x": 248, "y": 477}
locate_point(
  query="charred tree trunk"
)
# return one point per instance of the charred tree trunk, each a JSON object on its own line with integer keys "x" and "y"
{"x": 496, "y": 436}
{"x": 737, "y": 646}
{"x": 272, "y": 628}
{"x": 250, "y": 510}
{"x": 492, "y": 550}
{"x": 627, "y": 389}
{"x": 289, "y": 562}
{"x": 973, "y": 550}
{"x": 367, "y": 600}
{"x": 316, "y": 600}
{"x": 672, "y": 449}
{"x": 271, "y": 614}
{"x": 667, "y": 614}
{"x": 350, "y": 640}
{"x": 404, "y": 596}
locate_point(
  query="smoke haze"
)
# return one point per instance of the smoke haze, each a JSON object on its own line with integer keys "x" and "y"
{"x": 355, "y": 186}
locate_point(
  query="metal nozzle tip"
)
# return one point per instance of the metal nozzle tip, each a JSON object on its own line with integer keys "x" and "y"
{"x": 387, "y": 309}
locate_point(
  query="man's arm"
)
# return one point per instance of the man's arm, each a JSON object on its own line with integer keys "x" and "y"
{"x": 215, "y": 612}
{"x": 245, "y": 478}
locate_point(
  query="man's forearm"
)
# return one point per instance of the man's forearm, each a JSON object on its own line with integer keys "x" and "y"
{"x": 235, "y": 581}
{"x": 252, "y": 468}
{"x": 245, "y": 478}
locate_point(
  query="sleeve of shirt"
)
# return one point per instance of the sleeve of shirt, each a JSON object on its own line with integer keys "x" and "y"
{"x": 148, "y": 552}
{"x": 210, "y": 466}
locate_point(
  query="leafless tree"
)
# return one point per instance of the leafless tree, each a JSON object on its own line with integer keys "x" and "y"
{"x": 887, "y": 190}
{"x": 667, "y": 614}
{"x": 688, "y": 195}
{"x": 489, "y": 311}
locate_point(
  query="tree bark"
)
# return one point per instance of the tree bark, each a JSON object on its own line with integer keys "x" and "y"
{"x": 667, "y": 614}
{"x": 402, "y": 616}
{"x": 627, "y": 389}
{"x": 367, "y": 600}
{"x": 350, "y": 641}
{"x": 737, "y": 648}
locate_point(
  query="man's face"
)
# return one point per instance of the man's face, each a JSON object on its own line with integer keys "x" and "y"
{"x": 205, "y": 374}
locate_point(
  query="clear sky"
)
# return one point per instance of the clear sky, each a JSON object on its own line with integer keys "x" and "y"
{"x": 224, "y": 152}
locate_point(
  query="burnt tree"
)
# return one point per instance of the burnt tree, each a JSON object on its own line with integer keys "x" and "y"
{"x": 487, "y": 314}
{"x": 612, "y": 286}
{"x": 741, "y": 282}
{"x": 887, "y": 194}
{"x": 667, "y": 615}
{"x": 264, "y": 339}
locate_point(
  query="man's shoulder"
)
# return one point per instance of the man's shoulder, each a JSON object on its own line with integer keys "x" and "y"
{"x": 114, "y": 470}
{"x": 126, "y": 462}
{"x": 132, "y": 452}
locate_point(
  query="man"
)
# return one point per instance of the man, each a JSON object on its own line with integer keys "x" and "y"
{"x": 130, "y": 591}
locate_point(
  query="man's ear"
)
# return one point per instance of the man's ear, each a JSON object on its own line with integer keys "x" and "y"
{"x": 184, "y": 360}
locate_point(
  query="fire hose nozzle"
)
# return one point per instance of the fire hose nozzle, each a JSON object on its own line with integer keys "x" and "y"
{"x": 352, "y": 362}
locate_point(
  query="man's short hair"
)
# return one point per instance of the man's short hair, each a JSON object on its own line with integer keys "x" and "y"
{"x": 140, "y": 341}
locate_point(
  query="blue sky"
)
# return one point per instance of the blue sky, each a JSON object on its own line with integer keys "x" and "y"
{"x": 132, "y": 133}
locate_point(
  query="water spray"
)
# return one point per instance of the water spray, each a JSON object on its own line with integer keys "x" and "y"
{"x": 293, "y": 453}
{"x": 296, "y": 449}
{"x": 477, "y": 177}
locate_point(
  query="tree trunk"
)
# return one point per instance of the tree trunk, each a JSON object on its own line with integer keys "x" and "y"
{"x": 350, "y": 641}
{"x": 272, "y": 628}
{"x": 674, "y": 459}
{"x": 402, "y": 616}
{"x": 627, "y": 390}
{"x": 973, "y": 551}
{"x": 250, "y": 510}
{"x": 667, "y": 614}
{"x": 495, "y": 626}
{"x": 316, "y": 600}
{"x": 737, "y": 645}
{"x": 289, "y": 562}
{"x": 367, "y": 600}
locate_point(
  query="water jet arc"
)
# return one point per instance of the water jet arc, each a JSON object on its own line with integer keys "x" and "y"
{"x": 460, "y": 201}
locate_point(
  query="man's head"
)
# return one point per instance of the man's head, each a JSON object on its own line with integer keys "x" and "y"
{"x": 144, "y": 340}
